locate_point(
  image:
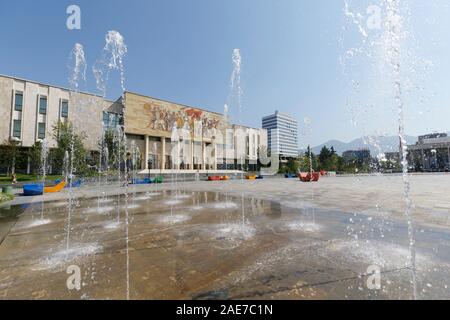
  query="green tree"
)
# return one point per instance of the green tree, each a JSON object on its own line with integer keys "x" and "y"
{"x": 306, "y": 160}
{"x": 293, "y": 165}
{"x": 332, "y": 151}
{"x": 340, "y": 164}
{"x": 113, "y": 148}
{"x": 329, "y": 160}
{"x": 63, "y": 133}
{"x": 325, "y": 159}
{"x": 334, "y": 162}
{"x": 34, "y": 153}
{"x": 9, "y": 155}
{"x": 325, "y": 155}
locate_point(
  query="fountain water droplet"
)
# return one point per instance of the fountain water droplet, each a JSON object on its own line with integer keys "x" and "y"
{"x": 77, "y": 67}
{"x": 111, "y": 58}
{"x": 385, "y": 51}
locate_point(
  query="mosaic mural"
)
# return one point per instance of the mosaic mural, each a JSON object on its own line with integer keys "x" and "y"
{"x": 163, "y": 119}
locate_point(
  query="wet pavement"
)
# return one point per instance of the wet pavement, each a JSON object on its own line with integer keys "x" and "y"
{"x": 212, "y": 245}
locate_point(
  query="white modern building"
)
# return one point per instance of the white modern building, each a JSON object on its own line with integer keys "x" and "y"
{"x": 29, "y": 110}
{"x": 282, "y": 134}
{"x": 430, "y": 153}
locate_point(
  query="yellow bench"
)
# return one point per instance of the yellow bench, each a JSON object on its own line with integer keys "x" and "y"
{"x": 56, "y": 188}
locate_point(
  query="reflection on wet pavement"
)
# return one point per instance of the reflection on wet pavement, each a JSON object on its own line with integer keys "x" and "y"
{"x": 205, "y": 245}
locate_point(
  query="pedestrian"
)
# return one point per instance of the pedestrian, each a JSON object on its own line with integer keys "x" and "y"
{"x": 14, "y": 178}
{"x": 128, "y": 167}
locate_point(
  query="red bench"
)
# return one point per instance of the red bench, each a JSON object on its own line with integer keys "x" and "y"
{"x": 307, "y": 177}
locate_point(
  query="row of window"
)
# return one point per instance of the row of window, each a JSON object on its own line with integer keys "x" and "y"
{"x": 18, "y": 101}
{"x": 42, "y": 108}
{"x": 112, "y": 120}
{"x": 18, "y": 105}
{"x": 17, "y": 129}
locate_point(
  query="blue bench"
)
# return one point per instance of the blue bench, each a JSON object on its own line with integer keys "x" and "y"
{"x": 142, "y": 181}
{"x": 33, "y": 189}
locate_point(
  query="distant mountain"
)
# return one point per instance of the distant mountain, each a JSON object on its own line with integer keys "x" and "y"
{"x": 374, "y": 144}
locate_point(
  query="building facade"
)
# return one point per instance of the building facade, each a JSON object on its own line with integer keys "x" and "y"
{"x": 282, "y": 131}
{"x": 29, "y": 111}
{"x": 430, "y": 153}
{"x": 175, "y": 136}
{"x": 202, "y": 139}
{"x": 359, "y": 156}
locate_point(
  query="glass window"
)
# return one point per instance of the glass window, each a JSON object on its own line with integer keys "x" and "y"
{"x": 42, "y": 105}
{"x": 41, "y": 130}
{"x": 230, "y": 140}
{"x": 18, "y": 101}
{"x": 105, "y": 119}
{"x": 117, "y": 120}
{"x": 17, "y": 128}
{"x": 112, "y": 120}
{"x": 64, "y": 109}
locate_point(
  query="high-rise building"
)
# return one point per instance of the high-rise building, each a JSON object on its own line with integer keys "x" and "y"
{"x": 282, "y": 134}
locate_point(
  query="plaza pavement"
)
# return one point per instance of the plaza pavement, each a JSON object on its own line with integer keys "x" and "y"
{"x": 381, "y": 195}
{"x": 264, "y": 239}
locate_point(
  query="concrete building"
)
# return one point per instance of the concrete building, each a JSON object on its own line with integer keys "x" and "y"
{"x": 393, "y": 157}
{"x": 360, "y": 156}
{"x": 282, "y": 131}
{"x": 29, "y": 110}
{"x": 203, "y": 137}
{"x": 430, "y": 153}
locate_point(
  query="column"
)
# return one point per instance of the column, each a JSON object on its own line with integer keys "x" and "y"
{"x": 448, "y": 152}
{"x": 192, "y": 155}
{"x": 163, "y": 153}
{"x": 203, "y": 155}
{"x": 146, "y": 153}
{"x": 214, "y": 146}
{"x": 423, "y": 160}
{"x": 29, "y": 164}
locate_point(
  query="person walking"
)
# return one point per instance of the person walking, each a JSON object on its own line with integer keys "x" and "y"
{"x": 127, "y": 166}
{"x": 14, "y": 178}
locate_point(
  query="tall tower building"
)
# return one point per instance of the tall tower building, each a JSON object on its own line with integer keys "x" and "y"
{"x": 282, "y": 134}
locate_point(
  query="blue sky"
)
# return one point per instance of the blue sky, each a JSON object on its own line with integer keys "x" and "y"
{"x": 181, "y": 51}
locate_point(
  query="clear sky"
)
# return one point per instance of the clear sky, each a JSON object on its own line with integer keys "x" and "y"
{"x": 180, "y": 50}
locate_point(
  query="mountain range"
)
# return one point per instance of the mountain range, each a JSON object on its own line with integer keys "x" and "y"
{"x": 374, "y": 144}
